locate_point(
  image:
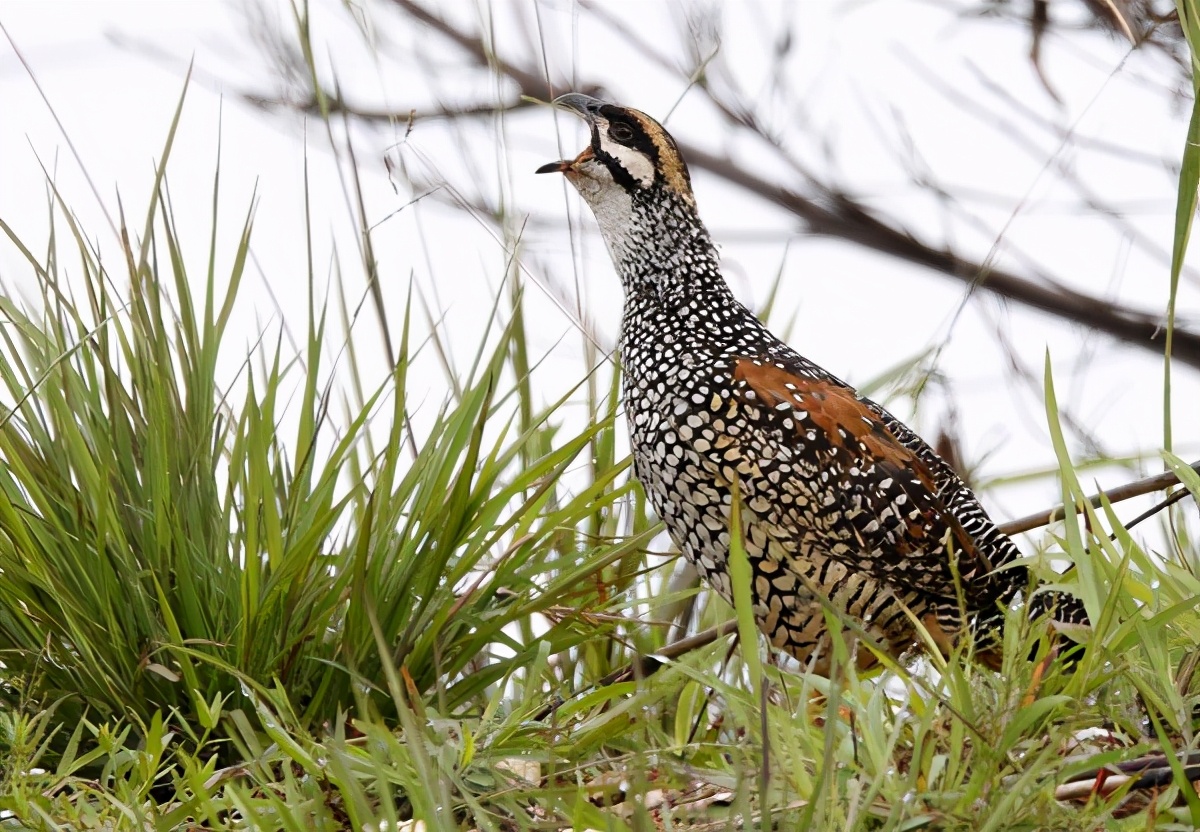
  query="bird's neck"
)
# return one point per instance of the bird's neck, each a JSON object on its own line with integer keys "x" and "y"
{"x": 663, "y": 253}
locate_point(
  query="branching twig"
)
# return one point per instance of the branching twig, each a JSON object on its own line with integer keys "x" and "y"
{"x": 1113, "y": 495}
{"x": 835, "y": 214}
{"x": 642, "y": 666}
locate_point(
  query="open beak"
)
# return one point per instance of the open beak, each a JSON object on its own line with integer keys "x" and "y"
{"x": 564, "y": 166}
{"x": 586, "y": 107}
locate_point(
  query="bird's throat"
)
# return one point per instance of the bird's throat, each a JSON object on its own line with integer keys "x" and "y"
{"x": 662, "y": 251}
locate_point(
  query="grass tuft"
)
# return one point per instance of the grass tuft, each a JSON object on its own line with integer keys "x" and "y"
{"x": 288, "y": 596}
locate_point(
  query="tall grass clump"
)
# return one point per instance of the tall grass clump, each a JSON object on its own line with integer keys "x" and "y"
{"x": 257, "y": 588}
{"x": 180, "y": 573}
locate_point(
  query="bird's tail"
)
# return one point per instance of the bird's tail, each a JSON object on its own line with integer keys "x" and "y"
{"x": 1069, "y": 616}
{"x": 1063, "y": 609}
{"x": 1066, "y": 611}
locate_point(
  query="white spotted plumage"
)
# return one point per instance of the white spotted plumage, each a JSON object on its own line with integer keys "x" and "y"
{"x": 843, "y": 504}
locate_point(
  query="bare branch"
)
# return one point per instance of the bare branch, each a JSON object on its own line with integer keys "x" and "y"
{"x": 836, "y": 215}
{"x": 1113, "y": 495}
{"x": 848, "y": 220}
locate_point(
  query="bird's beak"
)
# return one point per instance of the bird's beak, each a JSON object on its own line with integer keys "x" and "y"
{"x": 586, "y": 107}
{"x": 564, "y": 165}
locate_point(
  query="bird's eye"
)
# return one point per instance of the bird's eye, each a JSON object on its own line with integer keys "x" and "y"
{"x": 620, "y": 132}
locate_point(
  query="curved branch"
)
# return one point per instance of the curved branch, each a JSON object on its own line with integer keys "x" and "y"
{"x": 844, "y": 218}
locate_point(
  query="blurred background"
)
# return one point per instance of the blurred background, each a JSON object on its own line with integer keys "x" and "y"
{"x": 928, "y": 198}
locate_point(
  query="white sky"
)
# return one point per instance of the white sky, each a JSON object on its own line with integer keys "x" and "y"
{"x": 860, "y": 74}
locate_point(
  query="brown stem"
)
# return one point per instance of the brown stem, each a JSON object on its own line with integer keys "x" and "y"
{"x": 643, "y": 666}
{"x": 839, "y": 215}
{"x": 1113, "y": 495}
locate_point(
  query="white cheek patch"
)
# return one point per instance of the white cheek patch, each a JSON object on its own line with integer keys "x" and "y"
{"x": 636, "y": 163}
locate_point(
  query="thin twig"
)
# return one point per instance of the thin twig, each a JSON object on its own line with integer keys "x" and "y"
{"x": 835, "y": 214}
{"x": 643, "y": 666}
{"x": 1113, "y": 495}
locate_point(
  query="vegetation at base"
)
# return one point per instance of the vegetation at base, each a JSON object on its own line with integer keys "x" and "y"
{"x": 224, "y": 606}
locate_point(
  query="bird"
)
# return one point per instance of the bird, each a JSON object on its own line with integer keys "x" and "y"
{"x": 843, "y": 507}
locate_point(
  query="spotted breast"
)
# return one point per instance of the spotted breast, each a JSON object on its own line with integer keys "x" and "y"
{"x": 843, "y": 505}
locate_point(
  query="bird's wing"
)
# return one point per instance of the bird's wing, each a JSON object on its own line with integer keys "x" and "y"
{"x": 856, "y": 491}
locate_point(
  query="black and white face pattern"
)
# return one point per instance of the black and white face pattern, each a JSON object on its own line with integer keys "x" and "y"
{"x": 630, "y": 157}
{"x": 623, "y": 156}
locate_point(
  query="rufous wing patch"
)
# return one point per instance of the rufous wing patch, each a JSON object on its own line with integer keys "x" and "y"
{"x": 861, "y": 438}
{"x": 832, "y": 408}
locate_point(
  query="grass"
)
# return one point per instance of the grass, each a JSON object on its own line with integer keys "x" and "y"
{"x": 226, "y": 607}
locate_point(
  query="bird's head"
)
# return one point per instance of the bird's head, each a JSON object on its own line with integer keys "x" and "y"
{"x": 630, "y": 156}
